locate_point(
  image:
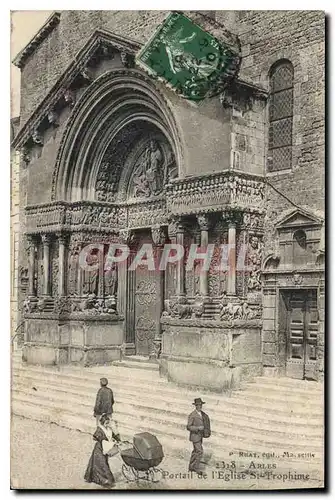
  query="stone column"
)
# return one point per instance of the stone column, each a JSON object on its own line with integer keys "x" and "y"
{"x": 31, "y": 266}
{"x": 62, "y": 240}
{"x": 46, "y": 240}
{"x": 203, "y": 225}
{"x": 171, "y": 279}
{"x": 158, "y": 238}
{"x": 124, "y": 237}
{"x": 231, "y": 282}
{"x": 180, "y": 275}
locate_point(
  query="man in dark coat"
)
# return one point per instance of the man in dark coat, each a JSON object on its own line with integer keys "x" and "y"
{"x": 199, "y": 426}
{"x": 104, "y": 401}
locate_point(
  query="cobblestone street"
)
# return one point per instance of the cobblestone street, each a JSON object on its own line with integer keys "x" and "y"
{"x": 46, "y": 456}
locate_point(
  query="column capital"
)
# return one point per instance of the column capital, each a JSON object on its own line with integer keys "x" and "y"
{"x": 46, "y": 238}
{"x": 126, "y": 236}
{"x": 175, "y": 226}
{"x": 63, "y": 237}
{"x": 203, "y": 222}
{"x": 31, "y": 239}
{"x": 232, "y": 217}
{"x": 158, "y": 235}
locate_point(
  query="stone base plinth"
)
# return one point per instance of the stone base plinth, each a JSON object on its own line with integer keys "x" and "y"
{"x": 78, "y": 340}
{"x": 210, "y": 354}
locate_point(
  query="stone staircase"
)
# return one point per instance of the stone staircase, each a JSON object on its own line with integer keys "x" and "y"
{"x": 277, "y": 420}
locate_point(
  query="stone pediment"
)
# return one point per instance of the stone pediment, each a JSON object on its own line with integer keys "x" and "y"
{"x": 299, "y": 218}
{"x": 102, "y": 44}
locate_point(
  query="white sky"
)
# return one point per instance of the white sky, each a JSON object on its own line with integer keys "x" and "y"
{"x": 24, "y": 25}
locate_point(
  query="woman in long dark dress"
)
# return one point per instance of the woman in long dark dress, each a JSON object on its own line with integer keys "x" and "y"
{"x": 98, "y": 470}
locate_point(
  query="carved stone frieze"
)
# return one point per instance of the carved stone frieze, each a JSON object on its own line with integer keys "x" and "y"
{"x": 92, "y": 305}
{"x": 143, "y": 213}
{"x": 177, "y": 307}
{"x": 60, "y": 216}
{"x": 214, "y": 192}
{"x": 239, "y": 311}
{"x": 148, "y": 176}
{"x": 255, "y": 251}
{"x": 62, "y": 305}
{"x": 297, "y": 279}
{"x": 253, "y": 220}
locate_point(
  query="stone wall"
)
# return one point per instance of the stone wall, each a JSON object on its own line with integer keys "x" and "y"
{"x": 15, "y": 229}
{"x": 267, "y": 37}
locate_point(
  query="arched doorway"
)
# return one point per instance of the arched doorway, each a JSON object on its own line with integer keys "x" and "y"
{"x": 121, "y": 150}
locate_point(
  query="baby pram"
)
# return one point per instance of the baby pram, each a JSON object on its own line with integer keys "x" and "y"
{"x": 140, "y": 461}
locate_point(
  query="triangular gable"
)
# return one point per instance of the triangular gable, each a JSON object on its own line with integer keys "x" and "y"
{"x": 51, "y": 22}
{"x": 99, "y": 38}
{"x": 297, "y": 218}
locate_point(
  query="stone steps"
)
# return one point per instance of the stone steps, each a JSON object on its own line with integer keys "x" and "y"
{"x": 165, "y": 432}
{"x": 278, "y": 382}
{"x": 248, "y": 421}
{"x": 172, "y": 446}
{"x": 172, "y": 422}
{"x": 121, "y": 382}
{"x": 87, "y": 391}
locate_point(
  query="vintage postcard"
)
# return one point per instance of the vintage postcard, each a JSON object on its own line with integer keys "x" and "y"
{"x": 168, "y": 250}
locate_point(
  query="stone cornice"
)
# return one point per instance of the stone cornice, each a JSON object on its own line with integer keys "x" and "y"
{"x": 78, "y": 65}
{"x": 208, "y": 323}
{"x": 240, "y": 94}
{"x": 41, "y": 35}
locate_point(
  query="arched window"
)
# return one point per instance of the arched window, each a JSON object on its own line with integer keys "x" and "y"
{"x": 281, "y": 117}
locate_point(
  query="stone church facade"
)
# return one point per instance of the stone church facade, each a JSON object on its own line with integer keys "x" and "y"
{"x": 110, "y": 155}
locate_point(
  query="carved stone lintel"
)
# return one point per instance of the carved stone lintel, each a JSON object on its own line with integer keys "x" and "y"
{"x": 297, "y": 279}
{"x": 37, "y": 138}
{"x": 128, "y": 60}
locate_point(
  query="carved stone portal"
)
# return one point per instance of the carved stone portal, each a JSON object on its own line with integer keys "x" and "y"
{"x": 148, "y": 175}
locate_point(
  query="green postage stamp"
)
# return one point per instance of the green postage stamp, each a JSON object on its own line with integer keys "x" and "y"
{"x": 188, "y": 58}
